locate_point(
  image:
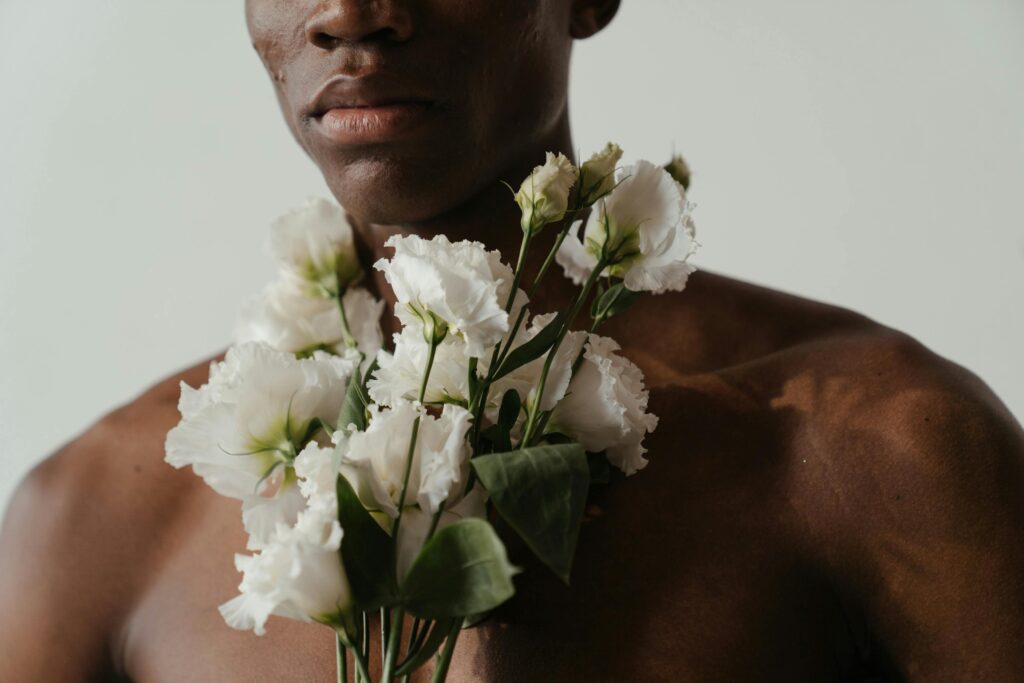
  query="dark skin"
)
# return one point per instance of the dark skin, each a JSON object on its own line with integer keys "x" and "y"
{"x": 826, "y": 499}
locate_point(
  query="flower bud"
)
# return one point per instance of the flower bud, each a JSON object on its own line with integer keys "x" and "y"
{"x": 314, "y": 247}
{"x": 679, "y": 170}
{"x": 544, "y": 195}
{"x": 597, "y": 176}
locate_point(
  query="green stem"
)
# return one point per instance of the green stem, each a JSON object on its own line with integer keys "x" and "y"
{"x": 346, "y": 333}
{"x": 390, "y": 657}
{"x": 441, "y": 670}
{"x": 362, "y": 668}
{"x": 485, "y": 386}
{"x": 412, "y": 443}
{"x": 529, "y": 296}
{"x": 385, "y": 628}
{"x": 549, "y": 259}
{"x": 414, "y": 635}
{"x": 339, "y": 651}
{"x": 417, "y": 638}
{"x": 520, "y": 262}
{"x": 398, "y": 618}
{"x": 531, "y": 420}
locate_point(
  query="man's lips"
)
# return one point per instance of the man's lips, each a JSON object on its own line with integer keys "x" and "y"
{"x": 366, "y": 110}
{"x": 369, "y": 124}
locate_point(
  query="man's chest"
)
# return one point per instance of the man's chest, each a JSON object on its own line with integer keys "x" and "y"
{"x": 674, "y": 579}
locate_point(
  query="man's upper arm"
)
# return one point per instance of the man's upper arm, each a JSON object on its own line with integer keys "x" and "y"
{"x": 55, "y": 611}
{"x": 929, "y": 514}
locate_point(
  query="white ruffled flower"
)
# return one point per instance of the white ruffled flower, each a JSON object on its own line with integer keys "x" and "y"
{"x": 645, "y": 229}
{"x": 314, "y": 246}
{"x": 279, "y": 502}
{"x": 241, "y": 431}
{"x": 374, "y": 463}
{"x": 597, "y": 175}
{"x": 544, "y": 195}
{"x": 299, "y": 573}
{"x": 461, "y": 286}
{"x": 526, "y": 379}
{"x": 285, "y": 318}
{"x": 377, "y": 456}
{"x": 400, "y": 373}
{"x": 605, "y": 408}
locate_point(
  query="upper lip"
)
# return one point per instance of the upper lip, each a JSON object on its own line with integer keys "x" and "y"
{"x": 344, "y": 92}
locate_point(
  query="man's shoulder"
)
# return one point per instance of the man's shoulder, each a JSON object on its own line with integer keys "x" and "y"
{"x": 839, "y": 378}
{"x": 856, "y": 411}
{"x": 108, "y": 491}
{"x": 84, "y": 532}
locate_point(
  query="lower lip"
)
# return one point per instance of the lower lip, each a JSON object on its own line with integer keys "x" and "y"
{"x": 363, "y": 125}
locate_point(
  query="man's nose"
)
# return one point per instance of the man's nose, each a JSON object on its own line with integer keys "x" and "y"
{"x": 337, "y": 22}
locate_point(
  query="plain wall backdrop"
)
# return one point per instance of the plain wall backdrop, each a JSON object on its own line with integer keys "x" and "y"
{"x": 868, "y": 154}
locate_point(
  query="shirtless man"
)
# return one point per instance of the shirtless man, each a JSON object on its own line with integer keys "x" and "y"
{"x": 826, "y": 499}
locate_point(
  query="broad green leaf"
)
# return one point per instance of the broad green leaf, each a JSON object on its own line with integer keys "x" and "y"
{"x": 462, "y": 570}
{"x": 353, "y": 408}
{"x": 541, "y": 492}
{"x": 366, "y": 551}
{"x": 533, "y": 349}
{"x": 434, "y": 639}
{"x": 473, "y": 619}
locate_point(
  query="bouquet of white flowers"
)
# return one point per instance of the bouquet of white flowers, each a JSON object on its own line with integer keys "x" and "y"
{"x": 367, "y": 476}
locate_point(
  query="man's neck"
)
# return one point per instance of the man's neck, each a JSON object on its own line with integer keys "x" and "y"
{"x": 492, "y": 217}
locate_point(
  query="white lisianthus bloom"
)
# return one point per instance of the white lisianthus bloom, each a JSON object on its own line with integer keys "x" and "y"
{"x": 644, "y": 229}
{"x": 317, "y": 468}
{"x": 298, "y": 575}
{"x": 314, "y": 246}
{"x": 526, "y": 379}
{"x": 377, "y": 457}
{"x": 460, "y": 286}
{"x": 605, "y": 408}
{"x": 279, "y": 502}
{"x": 285, "y": 318}
{"x": 544, "y": 194}
{"x": 400, "y": 373}
{"x": 597, "y": 175}
{"x": 241, "y": 431}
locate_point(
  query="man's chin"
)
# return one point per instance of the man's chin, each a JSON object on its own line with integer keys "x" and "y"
{"x": 386, "y": 192}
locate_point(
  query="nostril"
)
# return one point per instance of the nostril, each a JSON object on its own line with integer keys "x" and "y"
{"x": 328, "y": 41}
{"x": 324, "y": 41}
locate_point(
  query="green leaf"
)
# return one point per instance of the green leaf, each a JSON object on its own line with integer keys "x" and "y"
{"x": 353, "y": 408}
{"x": 472, "y": 620}
{"x": 472, "y": 380}
{"x": 511, "y": 404}
{"x": 533, "y": 349}
{"x": 613, "y": 301}
{"x": 541, "y": 492}
{"x": 366, "y": 551}
{"x": 434, "y": 639}
{"x": 462, "y": 570}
